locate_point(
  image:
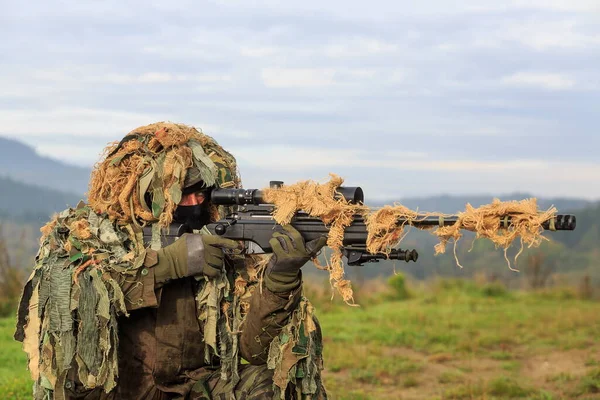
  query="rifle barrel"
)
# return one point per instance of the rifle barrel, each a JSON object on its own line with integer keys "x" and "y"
{"x": 562, "y": 222}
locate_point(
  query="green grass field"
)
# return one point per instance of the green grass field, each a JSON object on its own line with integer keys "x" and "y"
{"x": 14, "y": 377}
{"x": 460, "y": 342}
{"x": 457, "y": 345}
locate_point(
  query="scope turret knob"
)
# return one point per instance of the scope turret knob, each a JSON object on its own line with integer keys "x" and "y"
{"x": 220, "y": 229}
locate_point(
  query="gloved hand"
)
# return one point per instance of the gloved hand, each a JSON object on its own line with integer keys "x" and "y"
{"x": 290, "y": 253}
{"x": 190, "y": 255}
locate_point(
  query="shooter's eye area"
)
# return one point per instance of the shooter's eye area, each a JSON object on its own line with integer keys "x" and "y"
{"x": 192, "y": 199}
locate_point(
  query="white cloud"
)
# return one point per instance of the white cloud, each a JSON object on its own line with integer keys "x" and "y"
{"x": 75, "y": 121}
{"x": 537, "y": 176}
{"x": 589, "y": 6}
{"x": 58, "y": 133}
{"x": 359, "y": 47}
{"x": 258, "y": 52}
{"x": 294, "y": 158}
{"x": 398, "y": 75}
{"x": 153, "y": 77}
{"x": 323, "y": 77}
{"x": 490, "y": 6}
{"x": 384, "y": 10}
{"x": 219, "y": 131}
{"x": 353, "y": 47}
{"x": 78, "y": 75}
{"x": 358, "y": 73}
{"x": 71, "y": 123}
{"x": 178, "y": 52}
{"x": 297, "y": 77}
{"x": 543, "y": 34}
{"x": 82, "y": 155}
{"x": 549, "y": 81}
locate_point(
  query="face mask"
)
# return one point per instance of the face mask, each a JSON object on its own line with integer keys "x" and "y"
{"x": 195, "y": 217}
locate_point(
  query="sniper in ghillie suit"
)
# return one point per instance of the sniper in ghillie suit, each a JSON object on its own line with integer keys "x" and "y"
{"x": 173, "y": 281}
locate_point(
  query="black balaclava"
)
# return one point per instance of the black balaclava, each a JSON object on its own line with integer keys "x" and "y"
{"x": 195, "y": 217}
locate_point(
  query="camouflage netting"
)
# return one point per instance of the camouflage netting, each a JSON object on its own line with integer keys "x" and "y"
{"x": 384, "y": 232}
{"x": 295, "y": 355}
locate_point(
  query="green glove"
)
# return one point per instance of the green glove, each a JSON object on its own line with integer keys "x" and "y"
{"x": 191, "y": 255}
{"x": 290, "y": 253}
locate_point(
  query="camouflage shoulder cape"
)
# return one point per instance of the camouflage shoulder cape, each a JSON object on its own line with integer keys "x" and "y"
{"x": 67, "y": 318}
{"x": 67, "y": 315}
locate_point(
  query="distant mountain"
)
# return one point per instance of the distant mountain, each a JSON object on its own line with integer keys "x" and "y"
{"x": 31, "y": 204}
{"x": 22, "y": 164}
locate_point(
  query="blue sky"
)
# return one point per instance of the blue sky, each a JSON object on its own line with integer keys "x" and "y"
{"x": 402, "y": 99}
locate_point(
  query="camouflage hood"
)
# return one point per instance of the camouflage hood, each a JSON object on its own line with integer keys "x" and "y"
{"x": 142, "y": 177}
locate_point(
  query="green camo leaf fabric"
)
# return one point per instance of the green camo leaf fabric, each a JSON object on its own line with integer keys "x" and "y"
{"x": 74, "y": 328}
{"x": 295, "y": 356}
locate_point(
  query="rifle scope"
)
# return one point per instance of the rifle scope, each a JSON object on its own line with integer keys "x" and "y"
{"x": 230, "y": 197}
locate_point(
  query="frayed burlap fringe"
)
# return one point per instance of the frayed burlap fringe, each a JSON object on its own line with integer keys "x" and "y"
{"x": 385, "y": 232}
{"x": 319, "y": 200}
{"x": 114, "y": 186}
{"x": 488, "y": 222}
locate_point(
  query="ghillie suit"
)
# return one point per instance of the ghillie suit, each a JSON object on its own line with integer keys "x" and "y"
{"x": 91, "y": 311}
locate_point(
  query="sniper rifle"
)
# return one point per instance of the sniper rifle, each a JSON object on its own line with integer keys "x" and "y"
{"x": 253, "y": 222}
